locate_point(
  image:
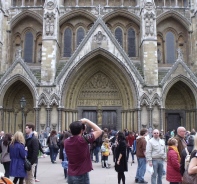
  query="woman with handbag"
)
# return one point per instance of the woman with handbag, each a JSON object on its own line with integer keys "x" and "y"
{"x": 17, "y": 155}
{"x": 5, "y": 155}
{"x": 53, "y": 147}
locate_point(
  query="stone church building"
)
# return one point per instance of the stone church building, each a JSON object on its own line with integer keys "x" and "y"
{"x": 121, "y": 63}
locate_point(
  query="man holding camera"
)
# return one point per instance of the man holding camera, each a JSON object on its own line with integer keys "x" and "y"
{"x": 78, "y": 153}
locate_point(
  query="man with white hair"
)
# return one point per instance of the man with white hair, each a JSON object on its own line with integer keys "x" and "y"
{"x": 155, "y": 155}
{"x": 180, "y": 137}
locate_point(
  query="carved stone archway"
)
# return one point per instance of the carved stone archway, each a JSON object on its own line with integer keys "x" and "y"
{"x": 100, "y": 86}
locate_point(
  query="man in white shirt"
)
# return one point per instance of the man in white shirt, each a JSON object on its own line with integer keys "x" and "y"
{"x": 155, "y": 155}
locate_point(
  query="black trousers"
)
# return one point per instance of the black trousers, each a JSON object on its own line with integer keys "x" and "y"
{"x": 6, "y": 166}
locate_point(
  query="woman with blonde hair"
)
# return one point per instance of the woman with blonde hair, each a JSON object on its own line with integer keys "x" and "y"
{"x": 17, "y": 155}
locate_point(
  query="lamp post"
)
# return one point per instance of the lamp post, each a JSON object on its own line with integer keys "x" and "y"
{"x": 23, "y": 104}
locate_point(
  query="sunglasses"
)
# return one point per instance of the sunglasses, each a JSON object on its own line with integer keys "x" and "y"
{"x": 155, "y": 133}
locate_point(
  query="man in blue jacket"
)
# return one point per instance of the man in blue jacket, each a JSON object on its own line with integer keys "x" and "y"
{"x": 32, "y": 147}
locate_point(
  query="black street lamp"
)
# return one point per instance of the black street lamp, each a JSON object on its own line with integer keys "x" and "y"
{"x": 23, "y": 104}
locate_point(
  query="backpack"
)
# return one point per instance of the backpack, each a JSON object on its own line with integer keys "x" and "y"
{"x": 187, "y": 159}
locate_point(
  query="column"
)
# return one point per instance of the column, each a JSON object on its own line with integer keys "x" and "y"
{"x": 176, "y": 3}
{"x": 9, "y": 120}
{"x": 59, "y": 119}
{"x": 149, "y": 45}
{"x": 37, "y": 115}
{"x": 139, "y": 119}
{"x": 164, "y": 2}
{"x": 161, "y": 118}
{"x": 77, "y": 3}
{"x": 15, "y": 115}
{"x": 50, "y": 44}
{"x": 150, "y": 110}
{"x": 48, "y": 117}
{"x": 23, "y": 2}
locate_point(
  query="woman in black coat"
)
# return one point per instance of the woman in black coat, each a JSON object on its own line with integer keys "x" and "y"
{"x": 121, "y": 159}
{"x": 190, "y": 146}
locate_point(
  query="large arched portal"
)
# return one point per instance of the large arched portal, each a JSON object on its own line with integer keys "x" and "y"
{"x": 101, "y": 90}
{"x": 180, "y": 107}
{"x": 12, "y": 112}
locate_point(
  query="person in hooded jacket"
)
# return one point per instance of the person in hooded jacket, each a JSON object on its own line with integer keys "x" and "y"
{"x": 190, "y": 146}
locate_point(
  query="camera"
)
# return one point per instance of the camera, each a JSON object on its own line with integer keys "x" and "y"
{"x": 83, "y": 127}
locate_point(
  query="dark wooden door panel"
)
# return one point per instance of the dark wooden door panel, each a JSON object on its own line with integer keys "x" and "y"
{"x": 109, "y": 119}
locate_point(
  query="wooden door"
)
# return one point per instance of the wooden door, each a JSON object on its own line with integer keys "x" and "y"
{"x": 109, "y": 119}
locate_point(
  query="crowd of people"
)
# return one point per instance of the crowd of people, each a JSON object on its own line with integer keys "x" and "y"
{"x": 78, "y": 148}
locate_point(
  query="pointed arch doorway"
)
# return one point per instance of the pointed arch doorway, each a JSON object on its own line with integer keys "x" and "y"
{"x": 12, "y": 117}
{"x": 100, "y": 90}
{"x": 180, "y": 107}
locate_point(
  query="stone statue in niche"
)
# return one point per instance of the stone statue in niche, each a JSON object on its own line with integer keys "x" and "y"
{"x": 180, "y": 54}
{"x": 149, "y": 24}
{"x": 40, "y": 55}
{"x": 159, "y": 59}
{"x": 18, "y": 53}
{"x": 49, "y": 25}
{"x": 99, "y": 116}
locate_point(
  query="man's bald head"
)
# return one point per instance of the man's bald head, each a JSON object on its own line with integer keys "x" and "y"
{"x": 181, "y": 131}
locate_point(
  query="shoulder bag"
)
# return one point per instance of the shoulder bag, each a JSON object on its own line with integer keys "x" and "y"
{"x": 27, "y": 165}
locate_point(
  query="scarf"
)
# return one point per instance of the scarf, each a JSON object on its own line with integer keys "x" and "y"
{"x": 176, "y": 150}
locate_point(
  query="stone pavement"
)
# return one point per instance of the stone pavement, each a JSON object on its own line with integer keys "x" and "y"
{"x": 49, "y": 173}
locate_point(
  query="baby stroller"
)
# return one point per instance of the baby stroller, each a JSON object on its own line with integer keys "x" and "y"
{"x": 5, "y": 180}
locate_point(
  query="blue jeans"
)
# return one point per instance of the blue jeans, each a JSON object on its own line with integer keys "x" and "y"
{"x": 141, "y": 169}
{"x": 81, "y": 179}
{"x": 96, "y": 153}
{"x": 53, "y": 153}
{"x": 158, "y": 171}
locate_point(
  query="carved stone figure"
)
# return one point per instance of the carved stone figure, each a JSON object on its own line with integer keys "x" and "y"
{"x": 47, "y": 26}
{"x": 99, "y": 37}
{"x": 51, "y": 27}
{"x": 147, "y": 26}
{"x": 99, "y": 116}
{"x": 159, "y": 55}
{"x": 180, "y": 54}
{"x": 18, "y": 53}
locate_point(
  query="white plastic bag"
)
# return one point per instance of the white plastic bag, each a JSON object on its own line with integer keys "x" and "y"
{"x": 149, "y": 169}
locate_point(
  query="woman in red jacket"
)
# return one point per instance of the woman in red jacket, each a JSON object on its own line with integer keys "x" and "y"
{"x": 173, "y": 163}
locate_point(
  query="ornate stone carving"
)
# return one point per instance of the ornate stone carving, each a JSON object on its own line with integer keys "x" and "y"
{"x": 18, "y": 53}
{"x": 50, "y": 5}
{"x": 49, "y": 23}
{"x": 180, "y": 54}
{"x": 42, "y": 126}
{"x": 54, "y": 126}
{"x": 149, "y": 23}
{"x": 99, "y": 116}
{"x": 48, "y": 90}
{"x": 99, "y": 37}
{"x": 148, "y": 6}
{"x": 20, "y": 126}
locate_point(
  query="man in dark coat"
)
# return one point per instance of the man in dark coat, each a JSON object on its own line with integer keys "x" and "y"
{"x": 180, "y": 137}
{"x": 32, "y": 147}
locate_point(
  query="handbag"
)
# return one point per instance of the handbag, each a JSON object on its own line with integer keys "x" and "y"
{"x": 27, "y": 165}
{"x": 55, "y": 146}
{"x": 189, "y": 178}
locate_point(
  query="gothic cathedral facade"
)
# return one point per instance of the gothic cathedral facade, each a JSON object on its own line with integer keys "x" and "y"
{"x": 121, "y": 63}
